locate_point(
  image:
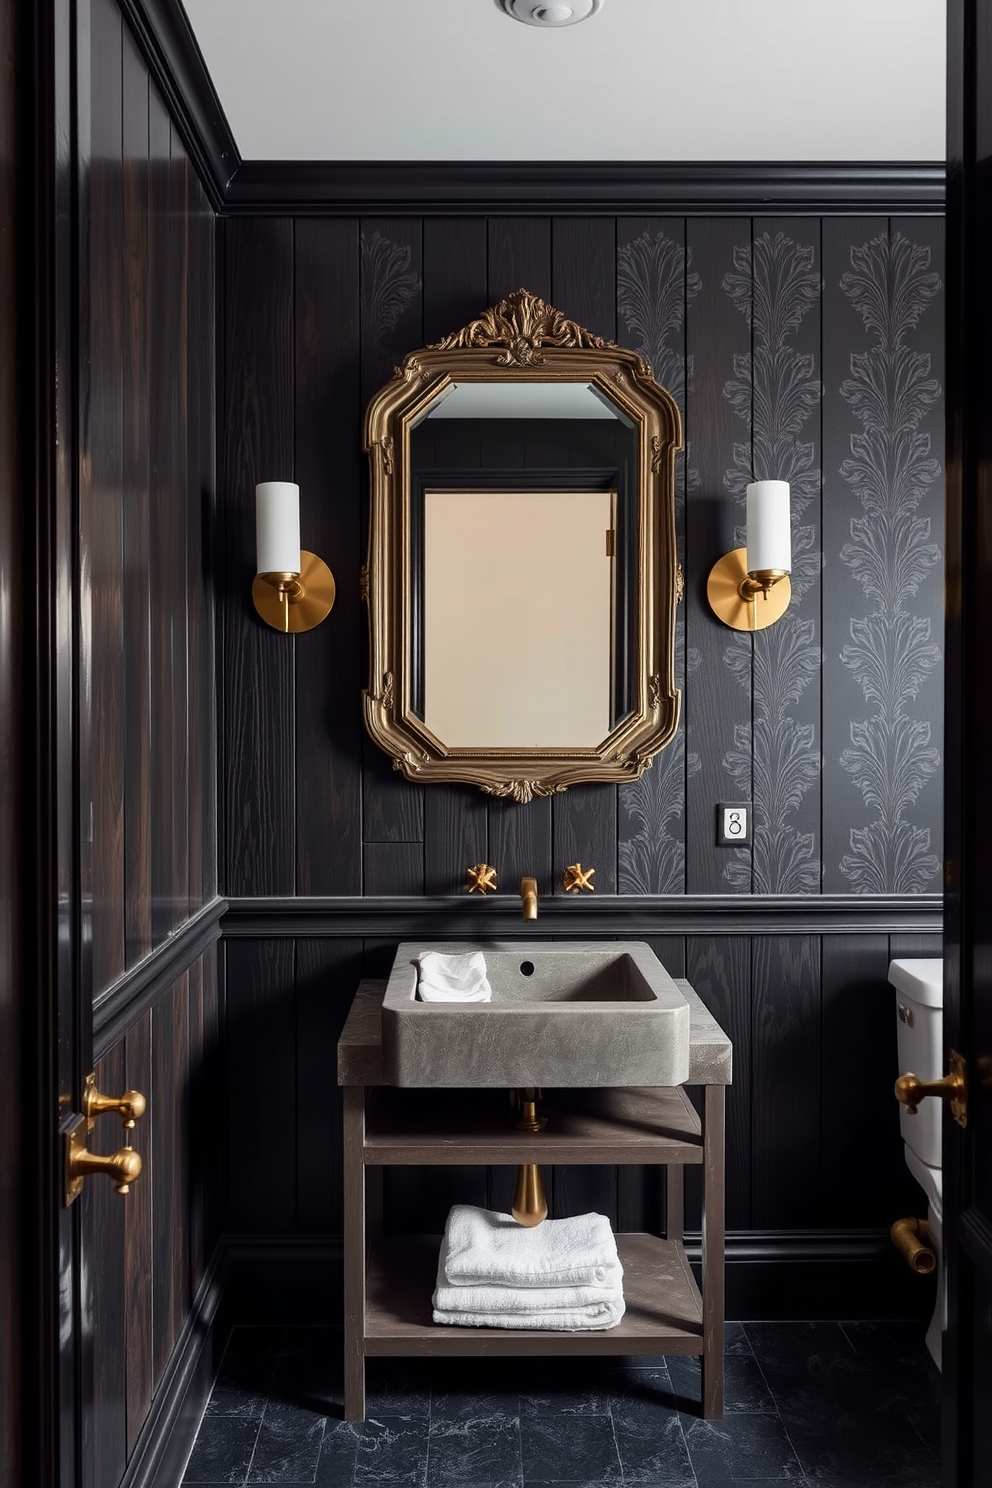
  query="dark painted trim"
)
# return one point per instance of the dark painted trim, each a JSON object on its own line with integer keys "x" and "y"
{"x": 568, "y": 188}
{"x": 135, "y": 992}
{"x": 169, "y": 48}
{"x": 459, "y": 916}
{"x": 171, "y": 1425}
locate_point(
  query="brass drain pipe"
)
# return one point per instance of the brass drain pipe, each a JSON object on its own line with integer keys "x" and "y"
{"x": 911, "y": 1237}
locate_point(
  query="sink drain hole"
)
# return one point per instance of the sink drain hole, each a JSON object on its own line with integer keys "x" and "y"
{"x": 527, "y": 968}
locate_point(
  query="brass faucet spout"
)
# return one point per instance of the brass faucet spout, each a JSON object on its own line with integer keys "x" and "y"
{"x": 528, "y": 897}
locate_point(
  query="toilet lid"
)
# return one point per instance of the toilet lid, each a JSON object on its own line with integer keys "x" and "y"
{"x": 920, "y": 978}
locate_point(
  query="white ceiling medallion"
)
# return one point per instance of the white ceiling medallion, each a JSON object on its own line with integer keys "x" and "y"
{"x": 550, "y": 12}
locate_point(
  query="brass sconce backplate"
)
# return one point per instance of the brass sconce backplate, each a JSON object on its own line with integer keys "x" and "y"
{"x": 723, "y": 590}
{"x": 296, "y": 606}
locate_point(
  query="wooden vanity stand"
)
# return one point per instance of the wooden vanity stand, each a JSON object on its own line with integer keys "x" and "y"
{"x": 388, "y": 1284}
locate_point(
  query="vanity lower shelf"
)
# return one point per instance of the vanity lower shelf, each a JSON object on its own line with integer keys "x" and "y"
{"x": 664, "y": 1308}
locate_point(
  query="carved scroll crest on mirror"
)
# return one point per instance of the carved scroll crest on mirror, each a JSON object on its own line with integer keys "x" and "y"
{"x": 522, "y": 574}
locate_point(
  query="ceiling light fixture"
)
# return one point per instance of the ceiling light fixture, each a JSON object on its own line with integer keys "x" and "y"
{"x": 546, "y": 13}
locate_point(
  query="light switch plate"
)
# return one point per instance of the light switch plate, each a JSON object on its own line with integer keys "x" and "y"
{"x": 733, "y": 824}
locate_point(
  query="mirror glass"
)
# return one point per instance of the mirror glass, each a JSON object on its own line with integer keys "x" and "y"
{"x": 518, "y": 489}
{"x": 522, "y": 574}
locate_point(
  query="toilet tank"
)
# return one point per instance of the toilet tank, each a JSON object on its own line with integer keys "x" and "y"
{"x": 919, "y": 988}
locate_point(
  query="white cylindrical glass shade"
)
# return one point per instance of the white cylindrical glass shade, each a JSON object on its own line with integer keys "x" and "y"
{"x": 769, "y": 529}
{"x": 277, "y": 527}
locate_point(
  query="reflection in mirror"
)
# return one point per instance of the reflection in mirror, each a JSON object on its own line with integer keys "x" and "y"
{"x": 522, "y": 575}
{"x": 518, "y": 617}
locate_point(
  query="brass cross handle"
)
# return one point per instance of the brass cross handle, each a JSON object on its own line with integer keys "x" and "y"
{"x": 576, "y": 877}
{"x": 130, "y": 1106}
{"x": 481, "y": 879}
{"x": 910, "y": 1090}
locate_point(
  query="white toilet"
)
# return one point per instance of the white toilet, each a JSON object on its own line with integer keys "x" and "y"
{"x": 919, "y": 988}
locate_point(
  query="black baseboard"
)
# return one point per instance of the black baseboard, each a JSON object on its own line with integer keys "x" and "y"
{"x": 172, "y": 1422}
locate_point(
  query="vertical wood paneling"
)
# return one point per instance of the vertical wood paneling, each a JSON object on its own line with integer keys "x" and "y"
{"x": 456, "y": 820}
{"x": 655, "y": 283}
{"x": 101, "y": 517}
{"x": 196, "y": 367}
{"x": 261, "y": 1048}
{"x": 160, "y": 574}
{"x": 786, "y": 395}
{"x": 394, "y": 868}
{"x": 719, "y": 969}
{"x": 103, "y": 1228}
{"x": 584, "y": 287}
{"x": 785, "y": 1076}
{"x": 136, "y": 359}
{"x": 861, "y": 1144}
{"x": 328, "y": 659}
{"x": 519, "y": 257}
{"x": 179, "y": 401}
{"x": 391, "y": 287}
{"x": 258, "y": 665}
{"x": 138, "y": 1258}
{"x": 168, "y": 1159}
{"x": 327, "y": 971}
{"x": 717, "y": 699}
{"x": 846, "y": 340}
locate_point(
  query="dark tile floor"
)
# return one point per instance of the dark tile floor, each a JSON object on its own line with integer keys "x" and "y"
{"x": 852, "y": 1405}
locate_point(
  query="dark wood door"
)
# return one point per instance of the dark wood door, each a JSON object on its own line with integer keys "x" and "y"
{"x": 968, "y": 872}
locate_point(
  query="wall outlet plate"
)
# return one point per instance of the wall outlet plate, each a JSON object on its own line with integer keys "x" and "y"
{"x": 733, "y": 824}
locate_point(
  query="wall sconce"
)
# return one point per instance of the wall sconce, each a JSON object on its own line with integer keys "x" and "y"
{"x": 762, "y": 568}
{"x": 293, "y": 589}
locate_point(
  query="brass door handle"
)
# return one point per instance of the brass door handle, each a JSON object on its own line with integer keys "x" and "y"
{"x": 124, "y": 1166}
{"x": 130, "y": 1106}
{"x": 910, "y": 1090}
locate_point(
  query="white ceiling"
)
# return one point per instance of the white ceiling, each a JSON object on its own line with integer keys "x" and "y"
{"x": 663, "y": 80}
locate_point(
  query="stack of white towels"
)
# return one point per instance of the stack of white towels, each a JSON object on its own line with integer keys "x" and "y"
{"x": 453, "y": 977}
{"x": 563, "y": 1275}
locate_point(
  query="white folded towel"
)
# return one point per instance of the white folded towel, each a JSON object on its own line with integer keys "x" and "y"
{"x": 453, "y": 978}
{"x": 560, "y": 1309}
{"x": 482, "y": 1247}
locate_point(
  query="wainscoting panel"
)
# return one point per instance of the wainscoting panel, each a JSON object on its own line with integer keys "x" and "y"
{"x": 147, "y": 1248}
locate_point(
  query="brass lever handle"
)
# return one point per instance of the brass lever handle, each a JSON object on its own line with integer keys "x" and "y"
{"x": 130, "y": 1106}
{"x": 124, "y": 1166}
{"x": 910, "y": 1090}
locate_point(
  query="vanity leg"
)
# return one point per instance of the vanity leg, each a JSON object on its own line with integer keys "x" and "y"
{"x": 354, "y": 1252}
{"x": 675, "y": 1202}
{"x": 714, "y": 1145}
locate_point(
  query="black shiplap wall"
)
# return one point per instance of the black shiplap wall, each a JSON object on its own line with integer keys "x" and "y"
{"x": 145, "y": 724}
{"x": 801, "y": 348}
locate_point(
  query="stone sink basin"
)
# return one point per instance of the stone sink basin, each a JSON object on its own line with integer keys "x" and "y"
{"x": 562, "y": 1014}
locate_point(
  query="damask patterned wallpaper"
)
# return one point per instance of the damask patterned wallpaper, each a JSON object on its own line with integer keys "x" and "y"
{"x": 806, "y": 349}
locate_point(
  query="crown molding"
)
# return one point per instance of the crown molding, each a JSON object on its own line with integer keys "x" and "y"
{"x": 565, "y": 188}
{"x": 350, "y": 188}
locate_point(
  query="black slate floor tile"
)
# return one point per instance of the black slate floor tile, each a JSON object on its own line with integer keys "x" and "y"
{"x": 652, "y": 1445}
{"x": 745, "y": 1386}
{"x": 741, "y": 1447}
{"x": 484, "y": 1448}
{"x": 287, "y": 1447}
{"x": 881, "y": 1445}
{"x": 397, "y": 1387}
{"x": 393, "y": 1449}
{"x": 222, "y": 1451}
{"x": 338, "y": 1454}
{"x": 569, "y": 1449}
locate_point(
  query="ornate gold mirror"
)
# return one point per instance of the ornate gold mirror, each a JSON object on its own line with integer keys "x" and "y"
{"x": 522, "y": 575}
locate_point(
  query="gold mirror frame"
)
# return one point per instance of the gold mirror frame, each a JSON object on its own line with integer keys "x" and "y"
{"x": 521, "y": 339}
